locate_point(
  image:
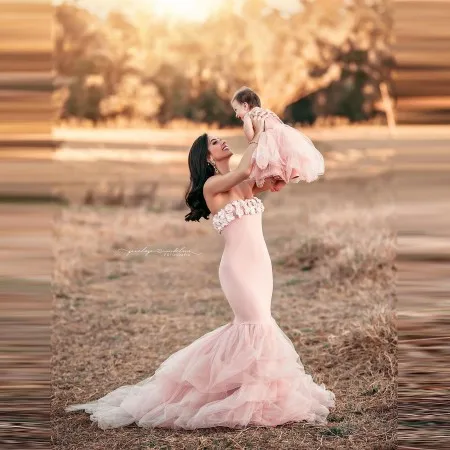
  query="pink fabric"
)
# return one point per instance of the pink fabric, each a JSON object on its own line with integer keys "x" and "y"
{"x": 285, "y": 152}
{"x": 243, "y": 373}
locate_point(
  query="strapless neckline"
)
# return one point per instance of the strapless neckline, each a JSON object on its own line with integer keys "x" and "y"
{"x": 236, "y": 209}
{"x": 232, "y": 201}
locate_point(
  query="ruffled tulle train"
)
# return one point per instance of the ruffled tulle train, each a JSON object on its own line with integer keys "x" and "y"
{"x": 286, "y": 152}
{"x": 237, "y": 375}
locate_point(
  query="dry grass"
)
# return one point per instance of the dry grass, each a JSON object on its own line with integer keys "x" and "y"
{"x": 117, "y": 317}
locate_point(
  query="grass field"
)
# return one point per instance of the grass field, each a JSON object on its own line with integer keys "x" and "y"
{"x": 119, "y": 316}
{"x": 333, "y": 246}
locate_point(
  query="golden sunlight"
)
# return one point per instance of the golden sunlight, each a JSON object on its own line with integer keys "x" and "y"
{"x": 195, "y": 10}
{"x": 191, "y": 10}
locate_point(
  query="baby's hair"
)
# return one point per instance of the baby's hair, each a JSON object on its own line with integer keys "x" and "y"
{"x": 246, "y": 95}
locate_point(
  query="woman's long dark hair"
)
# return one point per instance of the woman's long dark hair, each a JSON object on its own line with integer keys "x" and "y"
{"x": 200, "y": 170}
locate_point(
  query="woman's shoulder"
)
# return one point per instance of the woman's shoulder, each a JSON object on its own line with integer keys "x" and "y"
{"x": 207, "y": 184}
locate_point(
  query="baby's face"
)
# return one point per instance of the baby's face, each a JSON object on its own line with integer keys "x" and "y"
{"x": 241, "y": 109}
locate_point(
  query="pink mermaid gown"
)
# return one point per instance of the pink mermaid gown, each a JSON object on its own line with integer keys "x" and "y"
{"x": 243, "y": 373}
{"x": 285, "y": 152}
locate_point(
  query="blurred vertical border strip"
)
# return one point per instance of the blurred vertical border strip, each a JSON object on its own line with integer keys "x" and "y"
{"x": 26, "y": 114}
{"x": 422, "y": 53}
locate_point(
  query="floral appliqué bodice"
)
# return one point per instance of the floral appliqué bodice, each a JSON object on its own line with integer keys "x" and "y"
{"x": 235, "y": 210}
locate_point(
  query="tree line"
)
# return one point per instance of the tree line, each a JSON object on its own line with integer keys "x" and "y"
{"x": 330, "y": 58}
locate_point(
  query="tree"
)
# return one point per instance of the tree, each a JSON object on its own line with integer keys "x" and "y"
{"x": 107, "y": 62}
{"x": 283, "y": 58}
{"x": 150, "y": 67}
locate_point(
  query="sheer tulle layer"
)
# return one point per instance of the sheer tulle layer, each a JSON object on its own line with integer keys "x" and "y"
{"x": 286, "y": 152}
{"x": 237, "y": 375}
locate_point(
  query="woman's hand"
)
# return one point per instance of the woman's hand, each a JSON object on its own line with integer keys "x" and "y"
{"x": 258, "y": 124}
{"x": 258, "y": 121}
{"x": 278, "y": 184}
{"x": 273, "y": 184}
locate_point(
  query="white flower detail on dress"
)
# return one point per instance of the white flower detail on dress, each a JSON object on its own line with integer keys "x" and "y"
{"x": 239, "y": 208}
{"x": 235, "y": 210}
{"x": 228, "y": 208}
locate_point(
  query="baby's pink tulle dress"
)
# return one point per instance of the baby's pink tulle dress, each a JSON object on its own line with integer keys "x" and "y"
{"x": 285, "y": 152}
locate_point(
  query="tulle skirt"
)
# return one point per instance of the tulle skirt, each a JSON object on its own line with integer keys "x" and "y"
{"x": 238, "y": 375}
{"x": 286, "y": 152}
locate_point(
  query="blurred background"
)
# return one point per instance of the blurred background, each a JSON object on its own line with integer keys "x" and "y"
{"x": 177, "y": 63}
{"x": 100, "y": 102}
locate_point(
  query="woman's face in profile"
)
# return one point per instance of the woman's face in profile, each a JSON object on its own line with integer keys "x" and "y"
{"x": 218, "y": 148}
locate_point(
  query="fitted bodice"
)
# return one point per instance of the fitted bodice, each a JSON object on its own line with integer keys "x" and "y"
{"x": 234, "y": 210}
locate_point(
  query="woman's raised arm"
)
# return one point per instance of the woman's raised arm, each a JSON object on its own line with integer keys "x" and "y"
{"x": 223, "y": 183}
{"x": 215, "y": 185}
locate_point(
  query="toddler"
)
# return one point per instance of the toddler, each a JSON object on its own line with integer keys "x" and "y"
{"x": 282, "y": 152}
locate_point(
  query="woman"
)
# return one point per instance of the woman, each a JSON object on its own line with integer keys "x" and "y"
{"x": 245, "y": 372}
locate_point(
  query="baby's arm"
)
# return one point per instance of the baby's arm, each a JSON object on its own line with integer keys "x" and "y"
{"x": 248, "y": 128}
